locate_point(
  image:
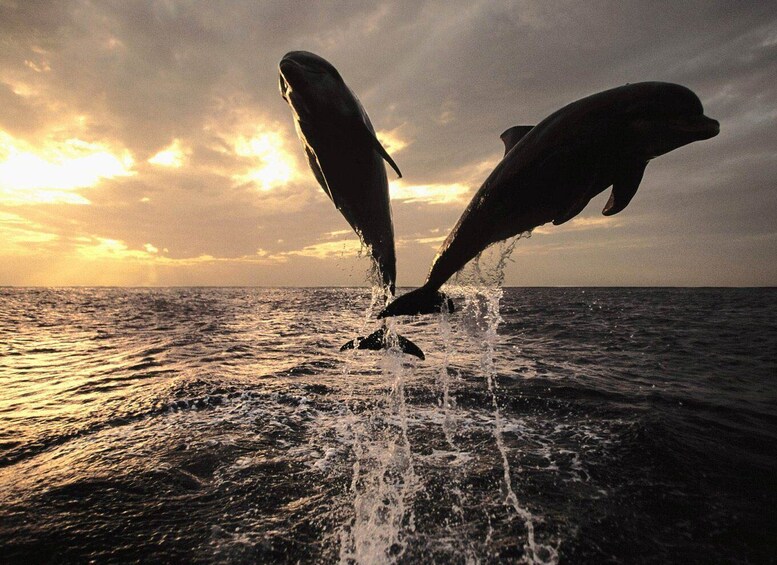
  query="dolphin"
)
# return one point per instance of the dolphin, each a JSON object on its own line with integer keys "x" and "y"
{"x": 347, "y": 161}
{"x": 551, "y": 171}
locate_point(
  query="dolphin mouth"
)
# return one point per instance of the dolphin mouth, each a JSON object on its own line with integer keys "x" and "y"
{"x": 289, "y": 70}
{"x": 288, "y": 64}
{"x": 283, "y": 85}
{"x": 290, "y": 73}
{"x": 291, "y": 65}
{"x": 293, "y": 74}
{"x": 701, "y": 127}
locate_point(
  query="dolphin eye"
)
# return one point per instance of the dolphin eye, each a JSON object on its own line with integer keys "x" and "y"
{"x": 694, "y": 106}
{"x": 678, "y": 101}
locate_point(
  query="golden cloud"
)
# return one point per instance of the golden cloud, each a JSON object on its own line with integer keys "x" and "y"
{"x": 579, "y": 224}
{"x": 171, "y": 156}
{"x": 107, "y": 249}
{"x": 431, "y": 193}
{"x": 266, "y": 156}
{"x": 54, "y": 171}
{"x": 391, "y": 140}
{"x": 329, "y": 249}
{"x": 433, "y": 241}
{"x": 19, "y": 236}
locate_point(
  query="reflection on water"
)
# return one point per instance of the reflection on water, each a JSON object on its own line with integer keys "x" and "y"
{"x": 223, "y": 425}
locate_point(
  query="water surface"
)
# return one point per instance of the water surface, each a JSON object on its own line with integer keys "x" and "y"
{"x": 212, "y": 425}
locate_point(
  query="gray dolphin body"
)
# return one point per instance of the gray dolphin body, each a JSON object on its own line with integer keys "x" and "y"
{"x": 551, "y": 171}
{"x": 347, "y": 161}
{"x": 343, "y": 152}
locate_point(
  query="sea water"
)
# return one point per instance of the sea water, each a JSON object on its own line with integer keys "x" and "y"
{"x": 223, "y": 425}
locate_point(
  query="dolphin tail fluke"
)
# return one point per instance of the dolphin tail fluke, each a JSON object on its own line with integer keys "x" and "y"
{"x": 410, "y": 348}
{"x": 419, "y": 301}
{"x": 377, "y": 341}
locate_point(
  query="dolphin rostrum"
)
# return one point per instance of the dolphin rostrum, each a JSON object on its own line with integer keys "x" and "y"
{"x": 347, "y": 161}
{"x": 551, "y": 171}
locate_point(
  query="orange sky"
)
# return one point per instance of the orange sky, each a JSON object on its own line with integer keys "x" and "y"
{"x": 146, "y": 143}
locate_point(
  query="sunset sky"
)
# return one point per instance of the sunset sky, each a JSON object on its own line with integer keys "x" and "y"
{"x": 146, "y": 143}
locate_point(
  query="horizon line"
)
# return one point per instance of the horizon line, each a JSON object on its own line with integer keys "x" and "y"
{"x": 766, "y": 286}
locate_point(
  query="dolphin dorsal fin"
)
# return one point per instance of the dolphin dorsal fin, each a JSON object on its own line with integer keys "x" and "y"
{"x": 513, "y": 135}
{"x": 624, "y": 187}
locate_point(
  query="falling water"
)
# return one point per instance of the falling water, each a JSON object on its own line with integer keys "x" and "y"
{"x": 458, "y": 456}
{"x": 479, "y": 284}
{"x": 383, "y": 482}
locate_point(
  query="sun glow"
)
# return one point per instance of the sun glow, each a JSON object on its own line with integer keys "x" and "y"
{"x": 171, "y": 156}
{"x": 276, "y": 166}
{"x": 51, "y": 173}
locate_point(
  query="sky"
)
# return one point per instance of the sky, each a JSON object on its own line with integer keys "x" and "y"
{"x": 146, "y": 142}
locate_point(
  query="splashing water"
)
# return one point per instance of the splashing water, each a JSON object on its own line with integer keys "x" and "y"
{"x": 383, "y": 482}
{"x": 479, "y": 284}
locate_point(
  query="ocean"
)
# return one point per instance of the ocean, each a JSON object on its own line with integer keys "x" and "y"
{"x": 223, "y": 425}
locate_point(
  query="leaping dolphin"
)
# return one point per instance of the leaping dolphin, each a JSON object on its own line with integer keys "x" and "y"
{"x": 347, "y": 161}
{"x": 551, "y": 171}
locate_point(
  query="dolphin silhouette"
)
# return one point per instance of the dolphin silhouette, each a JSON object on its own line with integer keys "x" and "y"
{"x": 347, "y": 160}
{"x": 551, "y": 171}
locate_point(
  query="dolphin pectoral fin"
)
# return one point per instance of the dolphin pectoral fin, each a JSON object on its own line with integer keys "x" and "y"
{"x": 624, "y": 188}
{"x": 572, "y": 211}
{"x": 377, "y": 341}
{"x": 584, "y": 195}
{"x": 388, "y": 158}
{"x": 315, "y": 166}
{"x": 513, "y": 135}
{"x": 379, "y": 148}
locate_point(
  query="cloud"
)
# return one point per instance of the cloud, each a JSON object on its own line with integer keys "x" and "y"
{"x": 171, "y": 156}
{"x": 579, "y": 223}
{"x": 188, "y": 92}
{"x": 329, "y": 249}
{"x": 273, "y": 164}
{"x": 21, "y": 237}
{"x": 432, "y": 193}
{"x": 392, "y": 141}
{"x": 51, "y": 172}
